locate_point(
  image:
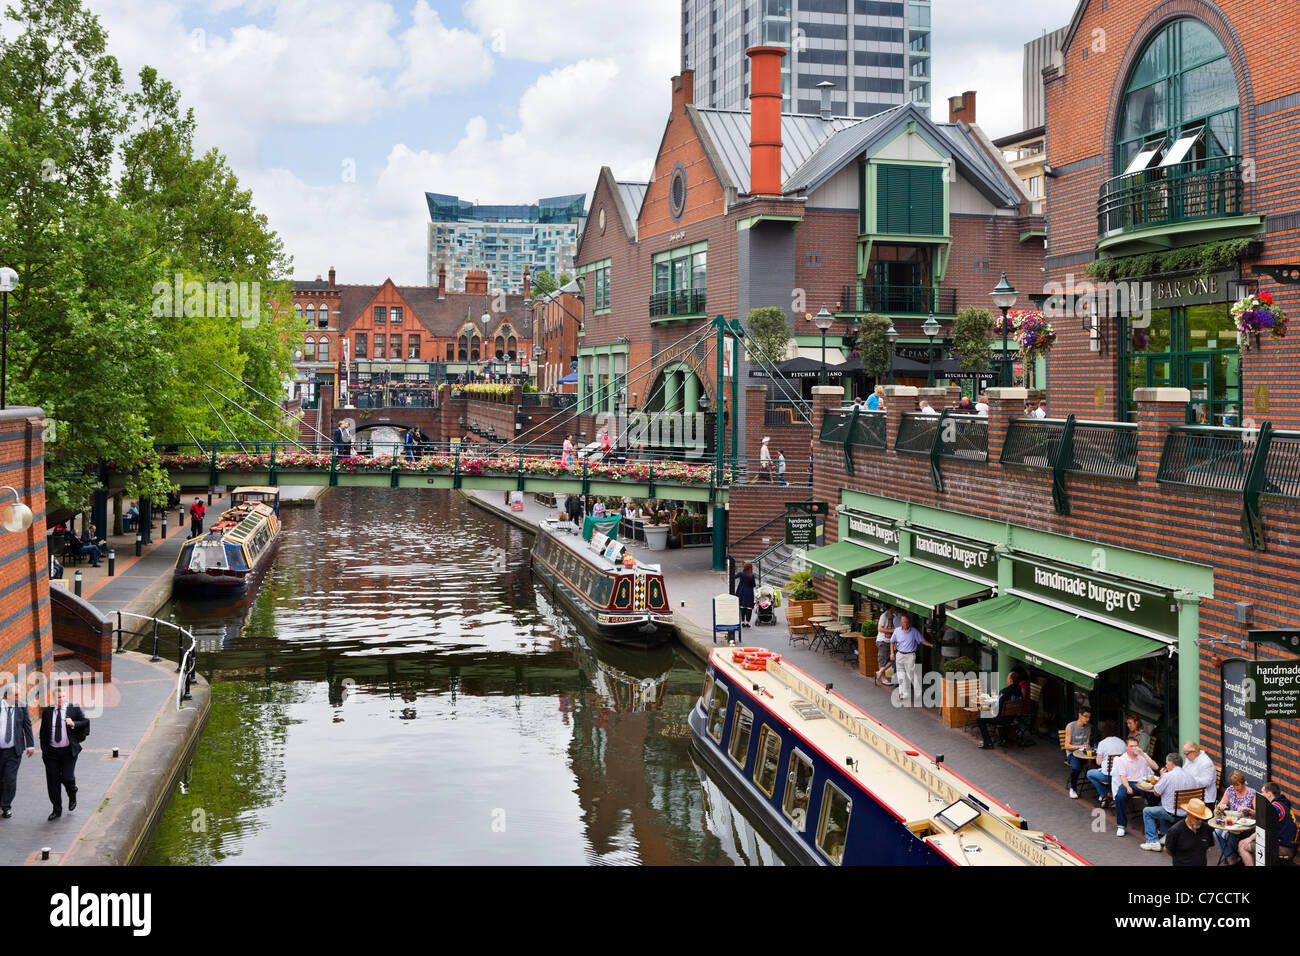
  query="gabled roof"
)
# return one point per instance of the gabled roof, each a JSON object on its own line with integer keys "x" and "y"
{"x": 442, "y": 317}
{"x": 837, "y": 150}
{"x": 632, "y": 195}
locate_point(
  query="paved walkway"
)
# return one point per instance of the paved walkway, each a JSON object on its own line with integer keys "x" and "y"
{"x": 1033, "y": 781}
{"x": 137, "y": 707}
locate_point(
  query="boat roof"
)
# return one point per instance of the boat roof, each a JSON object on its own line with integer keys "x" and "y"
{"x": 567, "y": 535}
{"x": 904, "y": 779}
{"x": 258, "y": 489}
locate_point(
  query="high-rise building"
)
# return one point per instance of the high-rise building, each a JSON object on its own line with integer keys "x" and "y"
{"x": 874, "y": 53}
{"x": 502, "y": 240}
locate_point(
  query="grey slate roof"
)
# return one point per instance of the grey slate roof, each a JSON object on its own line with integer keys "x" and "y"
{"x": 632, "y": 195}
{"x": 801, "y": 136}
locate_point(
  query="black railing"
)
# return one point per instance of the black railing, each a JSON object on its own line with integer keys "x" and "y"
{"x": 1198, "y": 189}
{"x": 1282, "y": 468}
{"x": 1106, "y": 449}
{"x": 680, "y": 302}
{"x": 905, "y": 299}
{"x": 779, "y": 413}
{"x": 1199, "y": 456}
{"x": 957, "y": 436}
{"x": 186, "y": 648}
{"x": 838, "y": 427}
{"x": 916, "y": 434}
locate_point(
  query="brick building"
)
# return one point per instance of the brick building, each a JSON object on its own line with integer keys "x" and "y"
{"x": 892, "y": 214}
{"x": 26, "y": 633}
{"x": 1171, "y": 129}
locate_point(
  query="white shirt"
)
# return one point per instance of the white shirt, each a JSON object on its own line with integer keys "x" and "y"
{"x": 765, "y": 456}
{"x": 1130, "y": 769}
{"x": 981, "y": 408}
{"x": 928, "y": 410}
{"x": 55, "y": 732}
{"x": 1039, "y": 412}
{"x": 1109, "y": 746}
{"x": 1171, "y": 780}
{"x": 1203, "y": 775}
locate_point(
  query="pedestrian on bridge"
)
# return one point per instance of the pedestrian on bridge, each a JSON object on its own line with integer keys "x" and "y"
{"x": 197, "y": 513}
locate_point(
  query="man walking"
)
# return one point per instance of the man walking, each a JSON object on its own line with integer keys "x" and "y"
{"x": 63, "y": 727}
{"x": 15, "y": 741}
{"x": 197, "y": 513}
{"x": 907, "y": 674}
{"x": 765, "y": 461}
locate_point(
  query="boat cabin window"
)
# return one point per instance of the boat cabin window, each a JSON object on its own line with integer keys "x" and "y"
{"x": 708, "y": 691}
{"x": 742, "y": 726}
{"x": 834, "y": 823}
{"x": 717, "y": 712}
{"x": 769, "y": 757}
{"x": 798, "y": 790}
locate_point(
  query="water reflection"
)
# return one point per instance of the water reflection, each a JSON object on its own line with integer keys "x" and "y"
{"x": 399, "y": 691}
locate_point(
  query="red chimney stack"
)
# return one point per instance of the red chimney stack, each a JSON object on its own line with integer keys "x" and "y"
{"x": 527, "y": 284}
{"x": 331, "y": 277}
{"x": 442, "y": 280}
{"x": 765, "y": 120}
{"x": 962, "y": 108}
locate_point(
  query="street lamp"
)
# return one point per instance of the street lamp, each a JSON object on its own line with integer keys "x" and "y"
{"x": 931, "y": 329}
{"x": 891, "y": 336}
{"x": 1004, "y": 297}
{"x": 823, "y": 320}
{"x": 8, "y": 282}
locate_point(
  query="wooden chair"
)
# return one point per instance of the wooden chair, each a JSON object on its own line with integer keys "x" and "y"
{"x": 1151, "y": 747}
{"x": 1182, "y": 796}
{"x": 1019, "y": 710}
{"x": 845, "y": 612}
{"x": 800, "y": 630}
{"x": 823, "y": 610}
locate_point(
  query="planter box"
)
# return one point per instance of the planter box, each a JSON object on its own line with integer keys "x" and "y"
{"x": 866, "y": 654}
{"x": 957, "y": 696}
{"x": 656, "y": 537}
{"x": 806, "y": 605}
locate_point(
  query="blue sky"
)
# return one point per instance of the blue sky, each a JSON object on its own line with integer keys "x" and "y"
{"x": 340, "y": 114}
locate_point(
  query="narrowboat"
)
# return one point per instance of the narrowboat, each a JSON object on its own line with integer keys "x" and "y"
{"x": 607, "y": 589}
{"x": 235, "y": 551}
{"x": 836, "y": 787}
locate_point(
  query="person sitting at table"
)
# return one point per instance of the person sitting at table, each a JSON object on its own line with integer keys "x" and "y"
{"x": 1156, "y": 820}
{"x": 1237, "y": 797}
{"x": 1189, "y": 839}
{"x": 1198, "y": 763}
{"x": 89, "y": 546}
{"x": 1134, "y": 724}
{"x": 1110, "y": 746}
{"x": 1286, "y": 826}
{"x": 1126, "y": 773}
{"x": 996, "y": 717}
{"x": 1077, "y": 737}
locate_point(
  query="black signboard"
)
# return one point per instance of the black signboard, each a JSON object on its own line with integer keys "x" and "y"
{"x": 1098, "y": 596}
{"x": 801, "y": 530}
{"x": 972, "y": 559}
{"x": 1245, "y": 741}
{"x": 873, "y": 531}
{"x": 1274, "y": 689}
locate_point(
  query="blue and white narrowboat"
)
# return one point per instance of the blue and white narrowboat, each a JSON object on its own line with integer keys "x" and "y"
{"x": 235, "y": 551}
{"x": 835, "y": 786}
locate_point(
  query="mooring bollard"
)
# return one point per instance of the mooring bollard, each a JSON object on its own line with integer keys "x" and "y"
{"x": 115, "y": 752}
{"x": 45, "y": 854}
{"x": 76, "y": 584}
{"x": 162, "y": 525}
{"x": 138, "y": 539}
{"x": 112, "y": 561}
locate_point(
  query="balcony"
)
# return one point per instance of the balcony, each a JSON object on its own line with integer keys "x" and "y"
{"x": 1196, "y": 198}
{"x": 681, "y": 303}
{"x": 901, "y": 299}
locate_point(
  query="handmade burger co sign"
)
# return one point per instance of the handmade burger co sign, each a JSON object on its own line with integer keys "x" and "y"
{"x": 970, "y": 559}
{"x": 1112, "y": 600}
{"x": 873, "y": 531}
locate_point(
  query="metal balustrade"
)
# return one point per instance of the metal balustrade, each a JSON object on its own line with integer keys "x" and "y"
{"x": 905, "y": 300}
{"x": 1183, "y": 192}
{"x": 679, "y": 302}
{"x": 1200, "y": 456}
{"x": 1104, "y": 449}
{"x": 839, "y": 427}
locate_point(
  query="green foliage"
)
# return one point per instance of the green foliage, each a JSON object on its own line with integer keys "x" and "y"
{"x": 959, "y": 665}
{"x": 872, "y": 345}
{"x": 768, "y": 333}
{"x": 800, "y": 586}
{"x": 108, "y": 204}
{"x": 1202, "y": 259}
{"x": 544, "y": 283}
{"x": 972, "y": 333}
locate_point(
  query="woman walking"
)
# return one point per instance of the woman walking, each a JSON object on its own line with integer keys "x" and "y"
{"x": 745, "y": 592}
{"x": 567, "y": 456}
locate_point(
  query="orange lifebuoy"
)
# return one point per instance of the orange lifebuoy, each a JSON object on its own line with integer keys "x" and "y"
{"x": 755, "y": 664}
{"x": 738, "y": 653}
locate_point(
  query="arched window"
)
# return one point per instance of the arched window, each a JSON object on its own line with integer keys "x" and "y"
{"x": 463, "y": 345}
{"x": 512, "y": 347}
{"x": 474, "y": 349}
{"x": 323, "y": 350}
{"x": 500, "y": 348}
{"x": 309, "y": 350}
{"x": 1180, "y": 103}
{"x": 311, "y": 316}
{"x": 297, "y": 311}
{"x": 451, "y": 352}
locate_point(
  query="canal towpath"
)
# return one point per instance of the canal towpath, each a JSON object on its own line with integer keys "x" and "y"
{"x": 1032, "y": 781}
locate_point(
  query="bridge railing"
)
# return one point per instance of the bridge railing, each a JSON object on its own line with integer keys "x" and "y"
{"x": 186, "y": 648}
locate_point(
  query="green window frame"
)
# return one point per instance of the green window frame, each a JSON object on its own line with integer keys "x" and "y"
{"x": 682, "y": 269}
{"x": 596, "y": 279}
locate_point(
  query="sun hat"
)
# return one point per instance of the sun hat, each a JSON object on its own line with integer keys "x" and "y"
{"x": 1196, "y": 807}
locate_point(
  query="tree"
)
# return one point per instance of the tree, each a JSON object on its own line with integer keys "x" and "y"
{"x": 544, "y": 284}
{"x": 972, "y": 333}
{"x": 874, "y": 348}
{"x": 768, "y": 333}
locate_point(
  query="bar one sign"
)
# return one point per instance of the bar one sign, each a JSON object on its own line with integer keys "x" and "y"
{"x": 971, "y": 559}
{"x": 1123, "y": 602}
{"x": 874, "y": 532}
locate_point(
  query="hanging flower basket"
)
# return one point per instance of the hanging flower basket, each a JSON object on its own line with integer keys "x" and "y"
{"x": 1255, "y": 315}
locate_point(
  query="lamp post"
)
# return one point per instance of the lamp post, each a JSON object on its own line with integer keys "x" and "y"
{"x": 891, "y": 336}
{"x": 823, "y": 320}
{"x": 8, "y": 282}
{"x": 931, "y": 329}
{"x": 1004, "y": 297}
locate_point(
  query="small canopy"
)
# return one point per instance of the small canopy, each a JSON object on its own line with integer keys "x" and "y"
{"x": 570, "y": 379}
{"x": 916, "y": 588}
{"x": 803, "y": 367}
{"x": 1073, "y": 648}
{"x": 844, "y": 559}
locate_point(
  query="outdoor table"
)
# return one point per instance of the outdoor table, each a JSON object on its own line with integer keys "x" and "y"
{"x": 1242, "y": 827}
{"x": 1144, "y": 785}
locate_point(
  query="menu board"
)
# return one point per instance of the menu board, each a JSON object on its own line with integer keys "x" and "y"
{"x": 1245, "y": 741}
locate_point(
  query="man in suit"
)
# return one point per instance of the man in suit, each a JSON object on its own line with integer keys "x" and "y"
{"x": 63, "y": 727}
{"x": 15, "y": 740}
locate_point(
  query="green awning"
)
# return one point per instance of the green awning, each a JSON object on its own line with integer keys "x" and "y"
{"x": 844, "y": 559}
{"x": 916, "y": 588}
{"x": 1073, "y": 648}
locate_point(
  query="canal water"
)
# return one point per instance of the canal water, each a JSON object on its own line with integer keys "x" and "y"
{"x": 397, "y": 690}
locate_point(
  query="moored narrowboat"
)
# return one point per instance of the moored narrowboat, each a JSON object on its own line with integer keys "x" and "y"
{"x": 835, "y": 786}
{"x": 597, "y": 581}
{"x": 235, "y": 551}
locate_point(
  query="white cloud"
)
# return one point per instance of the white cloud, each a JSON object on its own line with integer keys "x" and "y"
{"x": 439, "y": 59}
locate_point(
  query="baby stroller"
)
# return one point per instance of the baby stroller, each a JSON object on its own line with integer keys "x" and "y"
{"x": 765, "y": 606}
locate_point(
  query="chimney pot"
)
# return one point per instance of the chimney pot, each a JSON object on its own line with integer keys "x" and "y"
{"x": 765, "y": 120}
{"x": 683, "y": 90}
{"x": 962, "y": 108}
{"x": 826, "y": 86}
{"x": 331, "y": 277}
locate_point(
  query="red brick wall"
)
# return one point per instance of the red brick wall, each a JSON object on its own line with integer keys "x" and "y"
{"x": 26, "y": 644}
{"x": 753, "y": 513}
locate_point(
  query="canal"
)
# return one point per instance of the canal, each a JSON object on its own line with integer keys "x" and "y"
{"x": 397, "y": 690}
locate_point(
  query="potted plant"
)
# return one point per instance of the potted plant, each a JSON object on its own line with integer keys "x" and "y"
{"x": 656, "y": 535}
{"x": 799, "y": 591}
{"x": 960, "y": 691}
{"x": 867, "y": 648}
